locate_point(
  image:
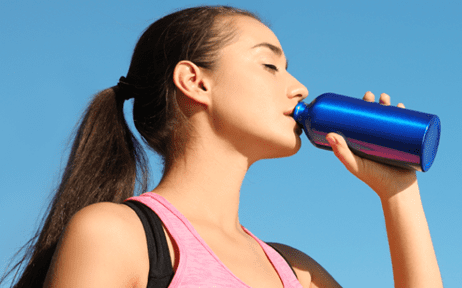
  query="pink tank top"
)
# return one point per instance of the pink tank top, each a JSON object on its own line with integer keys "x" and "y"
{"x": 198, "y": 266}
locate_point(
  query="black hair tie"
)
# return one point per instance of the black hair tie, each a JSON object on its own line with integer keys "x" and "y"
{"x": 126, "y": 91}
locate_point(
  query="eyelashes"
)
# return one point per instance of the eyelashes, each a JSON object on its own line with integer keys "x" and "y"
{"x": 271, "y": 67}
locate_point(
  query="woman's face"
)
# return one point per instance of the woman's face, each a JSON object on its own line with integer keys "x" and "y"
{"x": 253, "y": 95}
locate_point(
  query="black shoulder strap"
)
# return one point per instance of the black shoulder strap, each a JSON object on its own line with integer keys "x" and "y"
{"x": 282, "y": 255}
{"x": 160, "y": 265}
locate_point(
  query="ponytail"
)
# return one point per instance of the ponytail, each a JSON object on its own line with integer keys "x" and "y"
{"x": 105, "y": 164}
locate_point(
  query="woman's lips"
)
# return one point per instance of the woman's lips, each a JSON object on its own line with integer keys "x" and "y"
{"x": 298, "y": 127}
{"x": 290, "y": 112}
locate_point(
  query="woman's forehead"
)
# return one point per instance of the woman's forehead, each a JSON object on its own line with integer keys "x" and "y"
{"x": 252, "y": 33}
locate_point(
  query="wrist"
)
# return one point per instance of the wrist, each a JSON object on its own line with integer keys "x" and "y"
{"x": 393, "y": 183}
{"x": 404, "y": 190}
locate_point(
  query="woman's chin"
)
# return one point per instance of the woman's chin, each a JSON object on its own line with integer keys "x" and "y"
{"x": 294, "y": 149}
{"x": 285, "y": 149}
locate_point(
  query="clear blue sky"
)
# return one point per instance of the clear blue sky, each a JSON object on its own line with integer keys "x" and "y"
{"x": 54, "y": 55}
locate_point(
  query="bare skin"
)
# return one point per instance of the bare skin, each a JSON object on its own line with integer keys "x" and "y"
{"x": 104, "y": 245}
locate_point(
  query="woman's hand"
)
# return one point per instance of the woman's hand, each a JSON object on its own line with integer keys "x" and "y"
{"x": 385, "y": 180}
{"x": 411, "y": 248}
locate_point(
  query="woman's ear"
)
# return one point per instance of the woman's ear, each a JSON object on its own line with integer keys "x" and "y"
{"x": 192, "y": 82}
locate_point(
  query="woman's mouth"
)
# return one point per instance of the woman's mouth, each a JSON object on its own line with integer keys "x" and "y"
{"x": 290, "y": 112}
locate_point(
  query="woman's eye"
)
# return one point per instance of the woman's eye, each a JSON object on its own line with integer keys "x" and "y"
{"x": 271, "y": 67}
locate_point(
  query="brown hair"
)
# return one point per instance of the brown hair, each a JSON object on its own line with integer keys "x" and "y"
{"x": 106, "y": 161}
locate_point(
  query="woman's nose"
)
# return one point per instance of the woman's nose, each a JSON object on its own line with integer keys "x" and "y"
{"x": 297, "y": 89}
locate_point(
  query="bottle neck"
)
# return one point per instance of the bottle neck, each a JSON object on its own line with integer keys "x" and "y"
{"x": 300, "y": 112}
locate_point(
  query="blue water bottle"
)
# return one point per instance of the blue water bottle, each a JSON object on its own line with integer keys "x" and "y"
{"x": 387, "y": 134}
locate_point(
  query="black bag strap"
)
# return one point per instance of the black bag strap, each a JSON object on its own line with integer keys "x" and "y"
{"x": 160, "y": 264}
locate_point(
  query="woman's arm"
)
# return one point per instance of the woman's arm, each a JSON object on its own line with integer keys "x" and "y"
{"x": 102, "y": 246}
{"x": 412, "y": 254}
{"x": 413, "y": 258}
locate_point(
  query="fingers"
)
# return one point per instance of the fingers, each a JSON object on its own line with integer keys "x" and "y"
{"x": 369, "y": 97}
{"x": 384, "y": 99}
{"x": 343, "y": 153}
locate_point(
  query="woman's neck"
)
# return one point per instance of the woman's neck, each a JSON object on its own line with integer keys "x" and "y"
{"x": 204, "y": 185}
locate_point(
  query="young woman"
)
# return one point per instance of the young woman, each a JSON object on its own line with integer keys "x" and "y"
{"x": 212, "y": 96}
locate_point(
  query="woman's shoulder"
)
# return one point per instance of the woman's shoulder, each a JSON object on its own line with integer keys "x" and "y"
{"x": 117, "y": 214}
{"x": 309, "y": 272}
{"x": 116, "y": 226}
{"x": 103, "y": 244}
{"x": 108, "y": 221}
{"x": 107, "y": 218}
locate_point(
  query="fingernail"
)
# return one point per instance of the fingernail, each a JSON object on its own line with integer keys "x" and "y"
{"x": 331, "y": 140}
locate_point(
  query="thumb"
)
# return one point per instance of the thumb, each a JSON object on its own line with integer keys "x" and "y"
{"x": 343, "y": 153}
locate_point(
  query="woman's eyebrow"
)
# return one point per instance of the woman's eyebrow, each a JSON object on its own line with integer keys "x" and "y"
{"x": 276, "y": 50}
